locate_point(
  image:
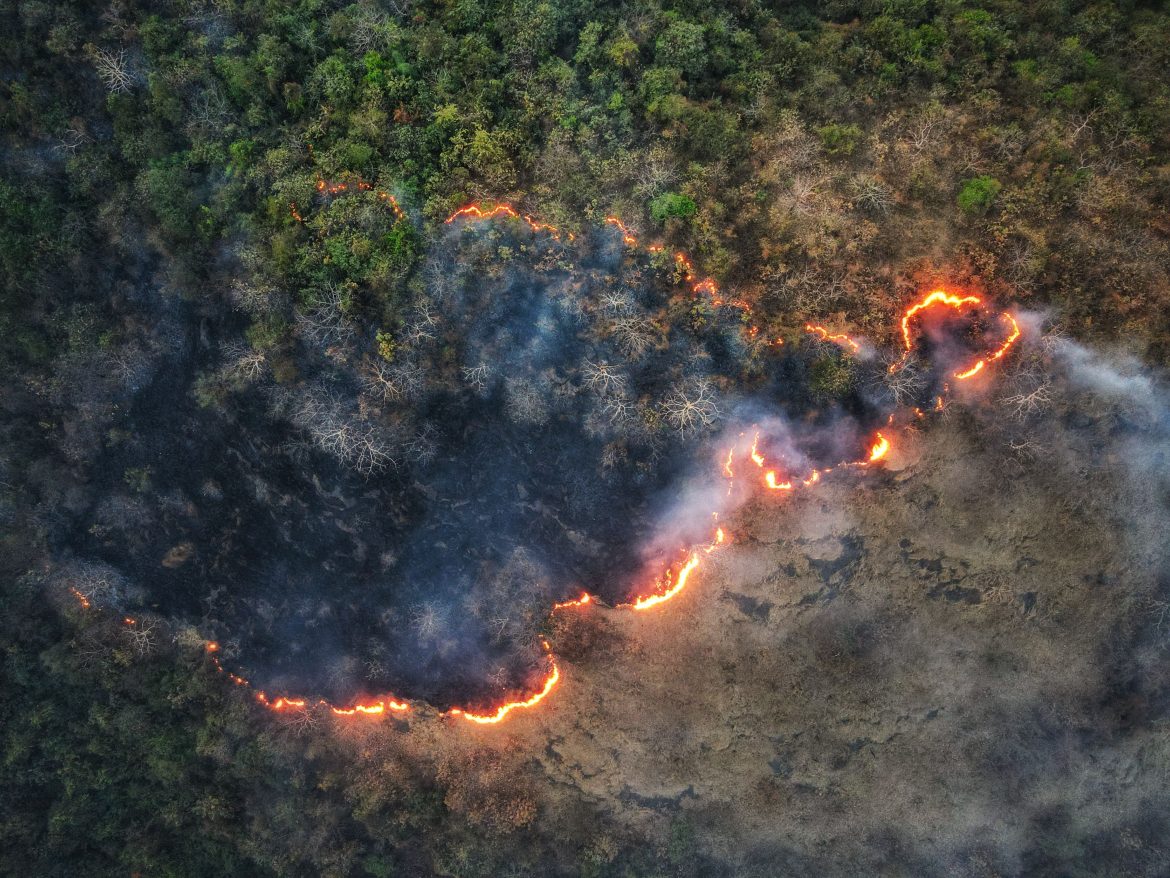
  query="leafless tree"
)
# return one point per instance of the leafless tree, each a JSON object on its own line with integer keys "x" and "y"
{"x": 327, "y": 322}
{"x": 926, "y": 129}
{"x": 475, "y": 377}
{"x": 619, "y": 408}
{"x": 244, "y": 363}
{"x": 427, "y": 620}
{"x": 526, "y": 402}
{"x": 871, "y": 194}
{"x": 96, "y": 583}
{"x": 142, "y": 635}
{"x": 392, "y": 382}
{"x": 423, "y": 446}
{"x": 803, "y": 193}
{"x": 634, "y": 336}
{"x": 1024, "y": 404}
{"x": 691, "y": 406}
{"x": 348, "y": 437}
{"x": 903, "y": 380}
{"x": 71, "y": 139}
{"x": 300, "y": 720}
{"x": 603, "y": 378}
{"x": 209, "y": 110}
{"x": 113, "y": 69}
{"x": 657, "y": 173}
{"x": 616, "y": 303}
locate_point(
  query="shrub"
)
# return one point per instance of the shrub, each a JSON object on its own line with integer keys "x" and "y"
{"x": 977, "y": 194}
{"x": 671, "y": 204}
{"x": 839, "y": 139}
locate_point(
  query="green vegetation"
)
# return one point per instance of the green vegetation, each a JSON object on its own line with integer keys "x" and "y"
{"x": 977, "y": 194}
{"x": 671, "y": 204}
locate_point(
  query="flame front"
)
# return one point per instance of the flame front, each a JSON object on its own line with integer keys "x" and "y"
{"x": 942, "y": 298}
{"x": 506, "y": 708}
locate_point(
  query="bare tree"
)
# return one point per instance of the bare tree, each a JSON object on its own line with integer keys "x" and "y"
{"x": 526, "y": 402}
{"x": 619, "y": 408}
{"x": 871, "y": 194}
{"x": 354, "y": 441}
{"x": 142, "y": 635}
{"x": 327, "y": 322}
{"x": 904, "y": 381}
{"x": 427, "y": 620}
{"x": 603, "y": 378}
{"x": 634, "y": 336}
{"x": 392, "y": 382}
{"x": 616, "y": 302}
{"x": 71, "y": 139}
{"x": 1026, "y": 403}
{"x": 244, "y": 363}
{"x": 691, "y": 406}
{"x": 475, "y": 377}
{"x": 113, "y": 69}
{"x": 423, "y": 445}
{"x": 803, "y": 193}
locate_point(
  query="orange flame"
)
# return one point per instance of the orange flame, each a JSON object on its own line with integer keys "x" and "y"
{"x": 504, "y": 709}
{"x": 585, "y": 598}
{"x": 628, "y": 237}
{"x": 653, "y": 600}
{"x": 670, "y": 584}
{"x": 1013, "y": 334}
{"x": 475, "y": 212}
{"x": 841, "y": 338}
{"x": 942, "y": 297}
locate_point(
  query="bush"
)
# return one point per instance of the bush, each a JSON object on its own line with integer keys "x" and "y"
{"x": 977, "y": 194}
{"x": 671, "y": 204}
{"x": 839, "y": 139}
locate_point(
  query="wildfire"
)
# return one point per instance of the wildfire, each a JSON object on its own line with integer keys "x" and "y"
{"x": 376, "y": 708}
{"x": 582, "y": 601}
{"x": 675, "y": 579}
{"x": 475, "y": 212}
{"x": 628, "y": 237}
{"x": 324, "y": 187}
